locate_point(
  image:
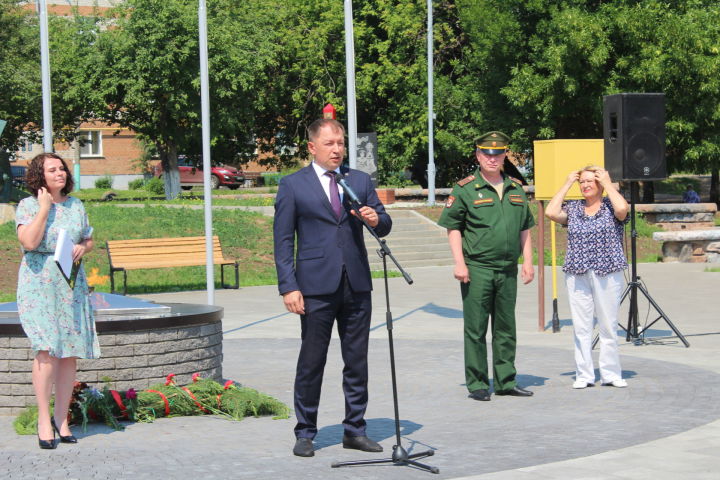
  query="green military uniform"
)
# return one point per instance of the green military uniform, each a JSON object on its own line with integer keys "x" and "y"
{"x": 490, "y": 228}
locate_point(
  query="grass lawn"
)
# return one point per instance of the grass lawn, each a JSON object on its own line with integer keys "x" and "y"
{"x": 254, "y": 197}
{"x": 245, "y": 236}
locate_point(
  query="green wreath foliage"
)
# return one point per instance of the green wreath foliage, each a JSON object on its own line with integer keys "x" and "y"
{"x": 202, "y": 397}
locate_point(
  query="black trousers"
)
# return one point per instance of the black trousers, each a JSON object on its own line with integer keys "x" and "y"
{"x": 352, "y": 311}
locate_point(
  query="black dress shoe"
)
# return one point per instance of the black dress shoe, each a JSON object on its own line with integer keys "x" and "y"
{"x": 304, "y": 447}
{"x": 481, "y": 394}
{"x": 66, "y": 438}
{"x": 361, "y": 443}
{"x": 47, "y": 444}
{"x": 516, "y": 392}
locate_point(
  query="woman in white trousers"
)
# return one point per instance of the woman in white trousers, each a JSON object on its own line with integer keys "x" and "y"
{"x": 594, "y": 264}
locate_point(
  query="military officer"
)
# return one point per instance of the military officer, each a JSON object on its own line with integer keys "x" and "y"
{"x": 488, "y": 221}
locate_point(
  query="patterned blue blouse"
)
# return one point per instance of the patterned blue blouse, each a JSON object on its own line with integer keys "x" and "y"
{"x": 594, "y": 241}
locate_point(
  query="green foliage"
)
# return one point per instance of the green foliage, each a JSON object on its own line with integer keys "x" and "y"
{"x": 136, "y": 184}
{"x": 20, "y": 89}
{"x": 643, "y": 228}
{"x": 72, "y": 52}
{"x": 26, "y": 422}
{"x": 538, "y": 70}
{"x": 155, "y": 185}
{"x": 245, "y": 236}
{"x": 677, "y": 185}
{"x": 104, "y": 182}
{"x": 243, "y": 402}
{"x": 575, "y": 52}
{"x": 203, "y": 396}
{"x": 207, "y": 396}
{"x": 95, "y": 403}
{"x": 147, "y": 72}
{"x": 142, "y": 163}
{"x": 272, "y": 179}
{"x": 154, "y": 194}
{"x": 96, "y": 195}
{"x": 397, "y": 179}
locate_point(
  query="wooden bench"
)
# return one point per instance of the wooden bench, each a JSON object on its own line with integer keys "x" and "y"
{"x": 145, "y": 253}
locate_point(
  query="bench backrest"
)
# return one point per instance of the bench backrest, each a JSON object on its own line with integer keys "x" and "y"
{"x": 162, "y": 252}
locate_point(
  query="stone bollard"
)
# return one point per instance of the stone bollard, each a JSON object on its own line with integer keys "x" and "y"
{"x": 679, "y": 216}
{"x": 693, "y": 246}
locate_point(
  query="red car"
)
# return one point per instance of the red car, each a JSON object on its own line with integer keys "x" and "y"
{"x": 192, "y": 174}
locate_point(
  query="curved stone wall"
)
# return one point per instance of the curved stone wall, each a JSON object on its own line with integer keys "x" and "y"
{"x": 135, "y": 353}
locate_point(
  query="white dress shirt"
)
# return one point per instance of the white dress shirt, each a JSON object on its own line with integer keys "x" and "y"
{"x": 325, "y": 181}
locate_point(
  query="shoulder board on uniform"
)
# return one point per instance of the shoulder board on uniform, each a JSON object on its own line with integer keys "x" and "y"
{"x": 466, "y": 180}
{"x": 519, "y": 182}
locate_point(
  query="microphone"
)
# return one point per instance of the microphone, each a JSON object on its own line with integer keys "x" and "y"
{"x": 340, "y": 180}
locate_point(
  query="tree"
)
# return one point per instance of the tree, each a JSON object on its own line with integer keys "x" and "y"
{"x": 148, "y": 76}
{"x": 20, "y": 99}
{"x": 307, "y": 74}
{"x": 583, "y": 51}
{"x": 391, "y": 80}
{"x": 678, "y": 53}
{"x": 70, "y": 49}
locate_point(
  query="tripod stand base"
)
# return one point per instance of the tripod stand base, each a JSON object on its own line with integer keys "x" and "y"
{"x": 632, "y": 332}
{"x": 399, "y": 457}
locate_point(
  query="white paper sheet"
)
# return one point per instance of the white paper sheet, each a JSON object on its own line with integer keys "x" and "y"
{"x": 63, "y": 253}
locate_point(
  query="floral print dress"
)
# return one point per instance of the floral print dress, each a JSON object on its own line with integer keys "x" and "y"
{"x": 55, "y": 317}
{"x": 594, "y": 241}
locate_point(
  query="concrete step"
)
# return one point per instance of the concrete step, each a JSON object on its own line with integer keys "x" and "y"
{"x": 414, "y": 263}
{"x": 411, "y": 238}
{"x": 415, "y": 241}
{"x": 404, "y": 219}
{"x": 399, "y": 247}
{"x": 414, "y": 227}
{"x": 407, "y": 256}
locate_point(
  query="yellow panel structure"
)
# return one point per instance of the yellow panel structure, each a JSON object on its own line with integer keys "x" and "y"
{"x": 555, "y": 159}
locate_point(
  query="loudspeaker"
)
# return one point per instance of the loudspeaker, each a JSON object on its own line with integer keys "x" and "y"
{"x": 634, "y": 136}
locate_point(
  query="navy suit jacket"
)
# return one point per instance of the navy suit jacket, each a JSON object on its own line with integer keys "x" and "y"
{"x": 324, "y": 243}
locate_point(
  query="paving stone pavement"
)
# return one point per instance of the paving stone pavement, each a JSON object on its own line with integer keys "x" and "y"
{"x": 665, "y": 424}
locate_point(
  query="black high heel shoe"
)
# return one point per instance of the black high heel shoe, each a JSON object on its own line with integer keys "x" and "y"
{"x": 47, "y": 444}
{"x": 63, "y": 439}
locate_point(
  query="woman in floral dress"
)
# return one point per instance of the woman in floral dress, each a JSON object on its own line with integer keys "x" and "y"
{"x": 56, "y": 318}
{"x": 594, "y": 265}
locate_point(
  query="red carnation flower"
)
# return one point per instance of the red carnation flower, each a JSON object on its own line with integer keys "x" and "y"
{"x": 195, "y": 377}
{"x": 228, "y": 384}
{"x": 169, "y": 379}
{"x": 131, "y": 394}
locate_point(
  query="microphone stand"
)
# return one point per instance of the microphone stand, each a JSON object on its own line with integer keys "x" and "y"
{"x": 400, "y": 456}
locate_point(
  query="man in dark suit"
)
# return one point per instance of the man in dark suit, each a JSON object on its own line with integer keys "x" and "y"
{"x": 328, "y": 278}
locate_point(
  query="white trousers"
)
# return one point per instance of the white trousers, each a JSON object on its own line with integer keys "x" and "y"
{"x": 594, "y": 298}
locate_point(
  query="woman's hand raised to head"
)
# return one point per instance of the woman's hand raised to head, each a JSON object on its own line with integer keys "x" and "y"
{"x": 44, "y": 198}
{"x": 573, "y": 177}
{"x": 603, "y": 178}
